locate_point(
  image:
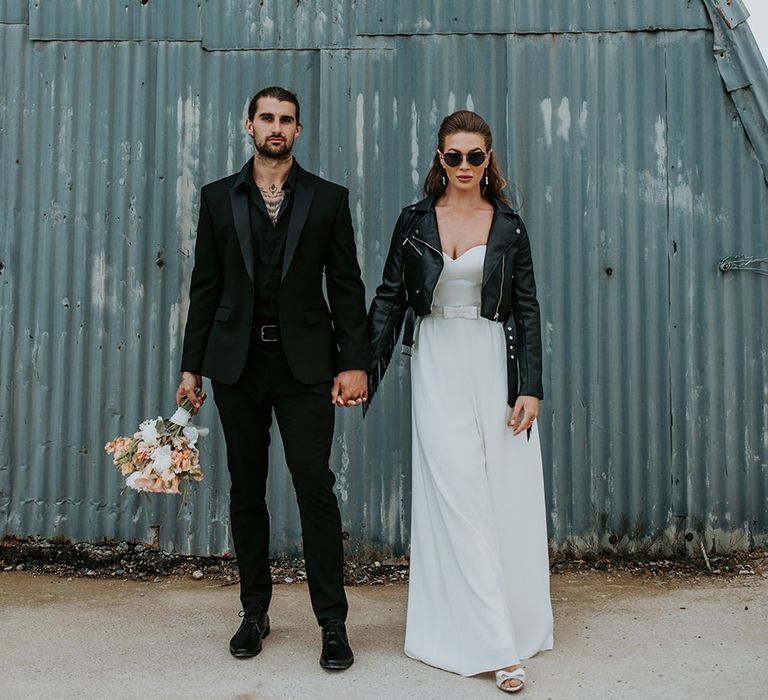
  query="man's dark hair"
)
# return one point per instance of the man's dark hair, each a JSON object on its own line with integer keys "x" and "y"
{"x": 278, "y": 93}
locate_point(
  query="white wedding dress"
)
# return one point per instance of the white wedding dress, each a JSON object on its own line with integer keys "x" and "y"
{"x": 479, "y": 580}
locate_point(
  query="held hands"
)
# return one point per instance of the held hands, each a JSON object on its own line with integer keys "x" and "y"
{"x": 189, "y": 382}
{"x": 350, "y": 388}
{"x": 525, "y": 412}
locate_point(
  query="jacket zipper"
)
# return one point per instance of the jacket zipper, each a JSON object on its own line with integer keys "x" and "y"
{"x": 427, "y": 244}
{"x": 431, "y": 247}
{"x": 501, "y": 288}
{"x": 413, "y": 245}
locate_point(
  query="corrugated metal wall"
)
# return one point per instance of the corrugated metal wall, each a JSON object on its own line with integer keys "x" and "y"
{"x": 636, "y": 177}
{"x": 527, "y": 16}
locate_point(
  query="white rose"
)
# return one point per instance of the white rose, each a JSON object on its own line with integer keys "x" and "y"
{"x": 161, "y": 459}
{"x": 191, "y": 433}
{"x": 148, "y": 430}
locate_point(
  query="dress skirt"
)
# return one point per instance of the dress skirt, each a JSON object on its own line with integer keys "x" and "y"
{"x": 479, "y": 578}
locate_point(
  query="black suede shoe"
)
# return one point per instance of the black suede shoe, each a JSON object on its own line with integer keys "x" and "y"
{"x": 337, "y": 654}
{"x": 247, "y": 639}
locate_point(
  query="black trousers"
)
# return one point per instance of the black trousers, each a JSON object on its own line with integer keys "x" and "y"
{"x": 305, "y": 417}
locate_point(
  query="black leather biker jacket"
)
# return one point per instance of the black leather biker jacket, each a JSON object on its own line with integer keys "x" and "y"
{"x": 508, "y": 296}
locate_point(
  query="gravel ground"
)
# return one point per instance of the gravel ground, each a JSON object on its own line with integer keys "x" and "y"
{"x": 139, "y": 561}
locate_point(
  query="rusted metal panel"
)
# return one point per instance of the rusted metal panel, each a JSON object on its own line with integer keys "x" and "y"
{"x": 637, "y": 159}
{"x": 586, "y": 147}
{"x": 271, "y": 24}
{"x": 130, "y": 20}
{"x": 380, "y": 129}
{"x": 97, "y": 257}
{"x": 744, "y": 72}
{"x": 12, "y": 108}
{"x": 14, "y": 11}
{"x": 732, "y": 12}
{"x": 608, "y": 15}
{"x": 523, "y": 16}
{"x": 719, "y": 378}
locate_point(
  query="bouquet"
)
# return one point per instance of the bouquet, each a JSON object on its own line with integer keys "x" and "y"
{"x": 162, "y": 455}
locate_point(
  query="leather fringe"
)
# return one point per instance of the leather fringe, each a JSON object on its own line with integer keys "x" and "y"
{"x": 376, "y": 374}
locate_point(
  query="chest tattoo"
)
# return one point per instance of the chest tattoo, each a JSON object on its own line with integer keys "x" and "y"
{"x": 273, "y": 199}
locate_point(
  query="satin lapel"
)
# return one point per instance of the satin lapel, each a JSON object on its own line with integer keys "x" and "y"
{"x": 239, "y": 199}
{"x": 502, "y": 235}
{"x": 299, "y": 212}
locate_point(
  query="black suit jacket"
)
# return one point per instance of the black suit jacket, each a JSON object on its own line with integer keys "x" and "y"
{"x": 319, "y": 338}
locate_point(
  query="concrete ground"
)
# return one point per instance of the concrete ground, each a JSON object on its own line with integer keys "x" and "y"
{"x": 615, "y": 637}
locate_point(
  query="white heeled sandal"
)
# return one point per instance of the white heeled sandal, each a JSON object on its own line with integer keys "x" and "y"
{"x": 517, "y": 675}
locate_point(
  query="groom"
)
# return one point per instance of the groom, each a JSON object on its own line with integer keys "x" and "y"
{"x": 260, "y": 328}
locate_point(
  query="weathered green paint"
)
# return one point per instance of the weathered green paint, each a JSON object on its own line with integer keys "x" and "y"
{"x": 637, "y": 151}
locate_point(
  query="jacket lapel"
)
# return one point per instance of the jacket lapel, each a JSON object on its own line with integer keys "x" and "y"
{"x": 504, "y": 232}
{"x": 239, "y": 198}
{"x": 299, "y": 212}
{"x": 425, "y": 226}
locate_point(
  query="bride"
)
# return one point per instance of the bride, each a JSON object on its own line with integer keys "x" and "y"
{"x": 460, "y": 263}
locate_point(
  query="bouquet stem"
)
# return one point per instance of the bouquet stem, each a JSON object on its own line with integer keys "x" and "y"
{"x": 179, "y": 420}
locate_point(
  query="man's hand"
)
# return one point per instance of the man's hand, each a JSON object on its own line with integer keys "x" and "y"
{"x": 350, "y": 388}
{"x": 189, "y": 382}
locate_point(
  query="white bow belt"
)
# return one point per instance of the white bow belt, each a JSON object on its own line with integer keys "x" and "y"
{"x": 470, "y": 312}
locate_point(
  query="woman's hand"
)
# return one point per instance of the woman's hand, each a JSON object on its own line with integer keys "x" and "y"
{"x": 525, "y": 412}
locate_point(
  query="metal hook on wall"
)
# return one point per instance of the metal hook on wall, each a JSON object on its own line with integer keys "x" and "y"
{"x": 732, "y": 263}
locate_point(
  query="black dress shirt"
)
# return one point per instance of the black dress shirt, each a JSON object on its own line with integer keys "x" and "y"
{"x": 269, "y": 243}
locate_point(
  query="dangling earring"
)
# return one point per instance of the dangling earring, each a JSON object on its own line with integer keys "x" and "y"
{"x": 486, "y": 177}
{"x": 443, "y": 179}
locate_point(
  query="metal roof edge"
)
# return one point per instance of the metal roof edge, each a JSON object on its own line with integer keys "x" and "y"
{"x": 743, "y": 71}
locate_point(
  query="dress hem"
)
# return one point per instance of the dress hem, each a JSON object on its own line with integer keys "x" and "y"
{"x": 487, "y": 668}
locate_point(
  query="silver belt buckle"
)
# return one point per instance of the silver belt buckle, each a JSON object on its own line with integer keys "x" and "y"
{"x": 263, "y": 338}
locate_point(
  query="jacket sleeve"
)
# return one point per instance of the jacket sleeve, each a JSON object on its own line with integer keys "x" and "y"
{"x": 204, "y": 292}
{"x": 387, "y": 312}
{"x": 525, "y": 309}
{"x": 346, "y": 293}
